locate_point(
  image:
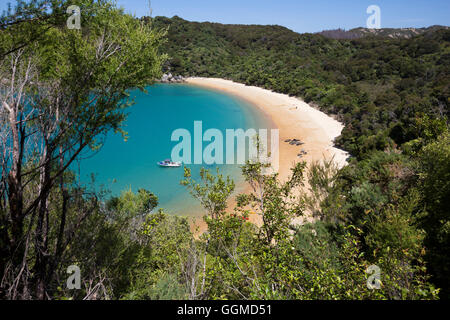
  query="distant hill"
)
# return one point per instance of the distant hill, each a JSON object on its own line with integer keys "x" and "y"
{"x": 403, "y": 33}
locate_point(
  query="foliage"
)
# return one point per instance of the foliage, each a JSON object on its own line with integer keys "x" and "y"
{"x": 388, "y": 207}
{"x": 323, "y": 260}
{"x": 61, "y": 92}
{"x": 434, "y": 183}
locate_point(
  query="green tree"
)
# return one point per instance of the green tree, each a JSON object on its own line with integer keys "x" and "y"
{"x": 67, "y": 89}
{"x": 434, "y": 176}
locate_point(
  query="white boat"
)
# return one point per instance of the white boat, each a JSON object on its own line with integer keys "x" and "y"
{"x": 169, "y": 164}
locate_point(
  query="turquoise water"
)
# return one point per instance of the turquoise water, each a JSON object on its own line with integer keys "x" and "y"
{"x": 121, "y": 165}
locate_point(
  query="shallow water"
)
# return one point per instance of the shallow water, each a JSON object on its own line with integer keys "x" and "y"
{"x": 121, "y": 165}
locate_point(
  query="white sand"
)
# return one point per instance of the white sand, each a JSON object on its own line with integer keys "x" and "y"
{"x": 294, "y": 118}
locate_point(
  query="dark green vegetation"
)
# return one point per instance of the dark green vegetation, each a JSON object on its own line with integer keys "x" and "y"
{"x": 62, "y": 90}
{"x": 376, "y": 86}
{"x": 391, "y": 89}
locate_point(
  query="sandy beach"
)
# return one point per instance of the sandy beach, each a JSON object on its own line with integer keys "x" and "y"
{"x": 294, "y": 118}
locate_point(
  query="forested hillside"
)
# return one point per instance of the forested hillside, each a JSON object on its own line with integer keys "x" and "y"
{"x": 376, "y": 86}
{"x": 392, "y": 95}
{"x": 63, "y": 90}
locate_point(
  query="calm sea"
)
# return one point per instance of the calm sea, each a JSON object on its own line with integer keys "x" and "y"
{"x": 121, "y": 165}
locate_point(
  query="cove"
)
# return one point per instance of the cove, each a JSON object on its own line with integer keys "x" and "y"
{"x": 121, "y": 165}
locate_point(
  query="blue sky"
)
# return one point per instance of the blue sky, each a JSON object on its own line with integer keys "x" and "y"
{"x": 299, "y": 15}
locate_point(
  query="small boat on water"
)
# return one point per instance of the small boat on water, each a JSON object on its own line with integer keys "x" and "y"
{"x": 169, "y": 164}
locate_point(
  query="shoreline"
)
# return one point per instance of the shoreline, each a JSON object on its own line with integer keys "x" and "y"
{"x": 294, "y": 118}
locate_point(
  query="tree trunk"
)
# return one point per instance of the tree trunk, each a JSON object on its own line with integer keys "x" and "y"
{"x": 42, "y": 254}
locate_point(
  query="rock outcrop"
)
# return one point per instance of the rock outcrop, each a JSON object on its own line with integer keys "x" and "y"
{"x": 169, "y": 78}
